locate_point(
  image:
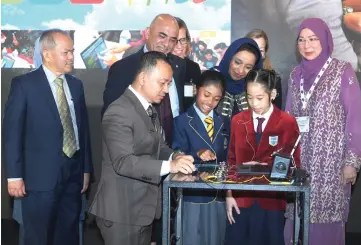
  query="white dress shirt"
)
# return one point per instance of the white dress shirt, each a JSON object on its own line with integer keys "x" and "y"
{"x": 165, "y": 169}
{"x": 266, "y": 116}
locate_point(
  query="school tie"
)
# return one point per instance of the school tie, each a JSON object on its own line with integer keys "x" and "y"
{"x": 259, "y": 126}
{"x": 210, "y": 129}
{"x": 69, "y": 142}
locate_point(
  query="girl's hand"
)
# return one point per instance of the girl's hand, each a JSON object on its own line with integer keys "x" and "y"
{"x": 206, "y": 155}
{"x": 230, "y": 204}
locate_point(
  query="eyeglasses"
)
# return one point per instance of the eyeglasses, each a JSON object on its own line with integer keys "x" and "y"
{"x": 182, "y": 41}
{"x": 312, "y": 41}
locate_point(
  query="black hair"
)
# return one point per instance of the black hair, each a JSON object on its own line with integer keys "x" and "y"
{"x": 220, "y": 46}
{"x": 202, "y": 43}
{"x": 208, "y": 51}
{"x": 265, "y": 77}
{"x": 182, "y": 24}
{"x": 149, "y": 61}
{"x": 250, "y": 48}
{"x": 211, "y": 77}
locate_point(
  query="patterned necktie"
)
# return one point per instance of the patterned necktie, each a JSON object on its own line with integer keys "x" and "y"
{"x": 153, "y": 115}
{"x": 259, "y": 126}
{"x": 69, "y": 142}
{"x": 210, "y": 129}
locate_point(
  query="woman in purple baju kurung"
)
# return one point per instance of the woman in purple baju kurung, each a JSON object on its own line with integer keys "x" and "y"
{"x": 325, "y": 96}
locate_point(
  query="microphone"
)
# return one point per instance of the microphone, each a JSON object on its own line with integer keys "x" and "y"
{"x": 276, "y": 152}
{"x": 296, "y": 144}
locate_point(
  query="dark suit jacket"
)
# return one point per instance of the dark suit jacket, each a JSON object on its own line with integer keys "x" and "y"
{"x": 192, "y": 73}
{"x": 122, "y": 73}
{"x": 33, "y": 133}
{"x": 243, "y": 148}
{"x": 129, "y": 189}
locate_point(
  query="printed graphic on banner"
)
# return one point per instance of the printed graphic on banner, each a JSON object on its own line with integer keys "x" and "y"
{"x": 100, "y": 49}
{"x": 47, "y": 2}
{"x": 208, "y": 47}
{"x": 17, "y": 48}
{"x": 114, "y": 14}
{"x": 11, "y": 1}
{"x": 86, "y": 1}
{"x": 126, "y": 20}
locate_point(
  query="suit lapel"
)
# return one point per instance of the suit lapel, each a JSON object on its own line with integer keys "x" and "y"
{"x": 139, "y": 53}
{"x": 198, "y": 127}
{"x": 47, "y": 93}
{"x": 218, "y": 125}
{"x": 140, "y": 110}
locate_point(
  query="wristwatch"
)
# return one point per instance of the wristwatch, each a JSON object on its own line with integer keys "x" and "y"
{"x": 177, "y": 153}
{"x": 347, "y": 10}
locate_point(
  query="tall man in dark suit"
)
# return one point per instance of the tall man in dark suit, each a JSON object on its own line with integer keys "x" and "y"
{"x": 46, "y": 144}
{"x": 161, "y": 36}
{"x": 135, "y": 157}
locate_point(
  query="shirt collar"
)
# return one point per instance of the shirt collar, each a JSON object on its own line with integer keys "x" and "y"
{"x": 51, "y": 75}
{"x": 142, "y": 100}
{"x": 200, "y": 114}
{"x": 266, "y": 116}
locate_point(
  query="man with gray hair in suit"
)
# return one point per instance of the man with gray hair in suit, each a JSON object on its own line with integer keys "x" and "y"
{"x": 135, "y": 157}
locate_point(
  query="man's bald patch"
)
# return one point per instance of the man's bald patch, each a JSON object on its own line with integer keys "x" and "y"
{"x": 163, "y": 17}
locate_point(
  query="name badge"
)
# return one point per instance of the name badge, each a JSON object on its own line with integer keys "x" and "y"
{"x": 188, "y": 90}
{"x": 303, "y": 124}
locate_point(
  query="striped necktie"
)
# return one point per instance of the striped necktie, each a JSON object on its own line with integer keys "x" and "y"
{"x": 210, "y": 129}
{"x": 69, "y": 142}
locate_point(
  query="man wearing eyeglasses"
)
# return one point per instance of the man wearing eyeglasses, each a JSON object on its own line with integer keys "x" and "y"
{"x": 162, "y": 36}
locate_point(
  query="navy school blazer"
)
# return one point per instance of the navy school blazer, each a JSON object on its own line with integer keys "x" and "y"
{"x": 190, "y": 136}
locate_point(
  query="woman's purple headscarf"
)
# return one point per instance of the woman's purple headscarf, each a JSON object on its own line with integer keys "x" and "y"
{"x": 310, "y": 68}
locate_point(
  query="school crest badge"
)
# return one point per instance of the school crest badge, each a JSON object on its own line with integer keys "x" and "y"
{"x": 273, "y": 140}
